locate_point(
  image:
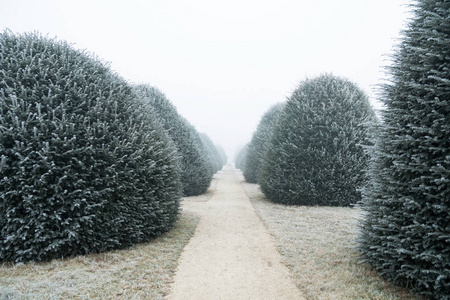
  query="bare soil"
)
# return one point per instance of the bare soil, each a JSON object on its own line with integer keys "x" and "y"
{"x": 231, "y": 255}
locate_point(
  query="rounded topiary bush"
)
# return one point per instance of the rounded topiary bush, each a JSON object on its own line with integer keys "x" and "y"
{"x": 241, "y": 157}
{"x": 406, "y": 230}
{"x": 83, "y": 166}
{"x": 196, "y": 168}
{"x": 213, "y": 153}
{"x": 223, "y": 155}
{"x": 258, "y": 144}
{"x": 314, "y": 156}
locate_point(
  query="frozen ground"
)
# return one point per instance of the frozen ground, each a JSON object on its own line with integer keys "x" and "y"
{"x": 231, "y": 255}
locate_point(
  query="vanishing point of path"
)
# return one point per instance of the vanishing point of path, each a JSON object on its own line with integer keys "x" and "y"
{"x": 231, "y": 255}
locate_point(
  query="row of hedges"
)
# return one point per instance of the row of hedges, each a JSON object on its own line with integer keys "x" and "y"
{"x": 200, "y": 158}
{"x": 86, "y": 165}
{"x": 315, "y": 155}
{"x": 241, "y": 157}
{"x": 258, "y": 145}
{"x": 215, "y": 153}
{"x": 307, "y": 151}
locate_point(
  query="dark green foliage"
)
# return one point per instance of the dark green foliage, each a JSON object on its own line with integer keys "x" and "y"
{"x": 213, "y": 153}
{"x": 406, "y": 232}
{"x": 258, "y": 145}
{"x": 83, "y": 167}
{"x": 196, "y": 168}
{"x": 241, "y": 157}
{"x": 314, "y": 157}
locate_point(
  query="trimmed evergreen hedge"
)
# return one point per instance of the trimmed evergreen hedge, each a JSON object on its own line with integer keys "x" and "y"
{"x": 213, "y": 153}
{"x": 84, "y": 168}
{"x": 406, "y": 232}
{"x": 196, "y": 169}
{"x": 223, "y": 155}
{"x": 314, "y": 157}
{"x": 241, "y": 157}
{"x": 258, "y": 144}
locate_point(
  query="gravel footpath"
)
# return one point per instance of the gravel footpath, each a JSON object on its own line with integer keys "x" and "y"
{"x": 231, "y": 255}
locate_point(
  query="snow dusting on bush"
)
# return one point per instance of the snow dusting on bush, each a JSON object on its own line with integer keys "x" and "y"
{"x": 84, "y": 167}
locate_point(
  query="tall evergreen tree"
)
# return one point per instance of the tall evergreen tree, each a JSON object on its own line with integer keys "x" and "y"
{"x": 258, "y": 144}
{"x": 314, "y": 156}
{"x": 406, "y": 232}
{"x": 196, "y": 168}
{"x": 84, "y": 167}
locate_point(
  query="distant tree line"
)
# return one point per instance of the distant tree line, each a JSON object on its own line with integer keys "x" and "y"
{"x": 88, "y": 162}
{"x": 326, "y": 147}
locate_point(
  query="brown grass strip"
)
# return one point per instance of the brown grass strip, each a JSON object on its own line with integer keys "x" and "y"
{"x": 318, "y": 245}
{"x": 144, "y": 271}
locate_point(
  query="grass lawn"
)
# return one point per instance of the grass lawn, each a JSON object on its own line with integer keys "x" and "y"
{"x": 144, "y": 271}
{"x": 318, "y": 246}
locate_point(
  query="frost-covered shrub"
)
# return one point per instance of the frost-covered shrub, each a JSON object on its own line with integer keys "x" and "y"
{"x": 223, "y": 155}
{"x": 241, "y": 157}
{"x": 258, "y": 144}
{"x": 213, "y": 153}
{"x": 314, "y": 156}
{"x": 196, "y": 169}
{"x": 83, "y": 167}
{"x": 406, "y": 232}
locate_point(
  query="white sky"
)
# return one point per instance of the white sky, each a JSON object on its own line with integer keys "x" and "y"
{"x": 223, "y": 63}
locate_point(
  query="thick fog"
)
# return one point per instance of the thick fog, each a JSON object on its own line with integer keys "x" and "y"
{"x": 223, "y": 63}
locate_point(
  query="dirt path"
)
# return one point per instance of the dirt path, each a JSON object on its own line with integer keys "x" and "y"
{"x": 231, "y": 255}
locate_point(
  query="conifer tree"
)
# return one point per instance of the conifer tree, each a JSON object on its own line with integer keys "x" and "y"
{"x": 406, "y": 231}
{"x": 241, "y": 157}
{"x": 213, "y": 153}
{"x": 196, "y": 168}
{"x": 223, "y": 155}
{"x": 84, "y": 167}
{"x": 258, "y": 144}
{"x": 314, "y": 156}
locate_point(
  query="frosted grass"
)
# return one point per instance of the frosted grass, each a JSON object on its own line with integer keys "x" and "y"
{"x": 318, "y": 246}
{"x": 144, "y": 271}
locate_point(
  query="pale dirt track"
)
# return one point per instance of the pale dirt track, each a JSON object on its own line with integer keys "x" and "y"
{"x": 231, "y": 255}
